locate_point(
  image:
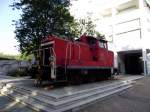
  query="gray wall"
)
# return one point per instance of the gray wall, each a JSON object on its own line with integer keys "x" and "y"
{"x": 9, "y": 65}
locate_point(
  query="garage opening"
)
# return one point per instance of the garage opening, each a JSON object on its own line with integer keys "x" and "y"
{"x": 131, "y": 62}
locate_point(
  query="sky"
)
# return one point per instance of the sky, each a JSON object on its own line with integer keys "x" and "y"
{"x": 8, "y": 43}
{"x": 7, "y": 35}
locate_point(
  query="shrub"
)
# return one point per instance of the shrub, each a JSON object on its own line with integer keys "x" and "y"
{"x": 18, "y": 73}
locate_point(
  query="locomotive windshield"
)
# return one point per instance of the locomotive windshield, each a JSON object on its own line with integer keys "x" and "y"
{"x": 91, "y": 40}
{"x": 102, "y": 44}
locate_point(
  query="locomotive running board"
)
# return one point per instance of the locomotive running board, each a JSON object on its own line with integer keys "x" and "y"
{"x": 87, "y": 67}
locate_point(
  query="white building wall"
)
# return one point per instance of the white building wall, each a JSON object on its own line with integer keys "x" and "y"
{"x": 128, "y": 41}
{"x": 144, "y": 7}
{"x": 126, "y": 24}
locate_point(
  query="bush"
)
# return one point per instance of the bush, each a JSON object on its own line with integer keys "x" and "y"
{"x": 18, "y": 73}
{"x": 33, "y": 71}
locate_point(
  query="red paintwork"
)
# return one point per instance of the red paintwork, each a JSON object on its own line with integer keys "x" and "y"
{"x": 81, "y": 48}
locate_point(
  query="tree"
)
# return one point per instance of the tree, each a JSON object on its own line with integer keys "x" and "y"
{"x": 41, "y": 18}
{"x": 86, "y": 26}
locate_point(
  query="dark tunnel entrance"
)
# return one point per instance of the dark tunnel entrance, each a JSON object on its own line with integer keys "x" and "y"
{"x": 132, "y": 61}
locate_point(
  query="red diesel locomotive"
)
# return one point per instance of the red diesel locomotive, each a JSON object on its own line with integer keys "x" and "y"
{"x": 86, "y": 59}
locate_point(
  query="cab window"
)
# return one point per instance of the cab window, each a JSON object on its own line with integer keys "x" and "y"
{"x": 91, "y": 40}
{"x": 102, "y": 44}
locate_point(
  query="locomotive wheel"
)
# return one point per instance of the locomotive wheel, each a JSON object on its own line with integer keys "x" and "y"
{"x": 75, "y": 79}
{"x": 38, "y": 82}
{"x": 39, "y": 79}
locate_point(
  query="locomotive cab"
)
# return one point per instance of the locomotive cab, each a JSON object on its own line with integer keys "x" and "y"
{"x": 98, "y": 47}
{"x": 94, "y": 42}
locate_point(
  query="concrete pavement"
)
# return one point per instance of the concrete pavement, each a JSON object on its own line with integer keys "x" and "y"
{"x": 135, "y": 99}
{"x": 9, "y": 105}
{"x": 64, "y": 98}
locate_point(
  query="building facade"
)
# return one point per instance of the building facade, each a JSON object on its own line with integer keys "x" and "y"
{"x": 126, "y": 24}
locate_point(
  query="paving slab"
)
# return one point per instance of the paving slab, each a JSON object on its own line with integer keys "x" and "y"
{"x": 63, "y": 91}
{"x": 135, "y": 99}
{"x": 4, "y": 101}
{"x": 27, "y": 85}
{"x": 69, "y": 90}
{"x": 9, "y": 105}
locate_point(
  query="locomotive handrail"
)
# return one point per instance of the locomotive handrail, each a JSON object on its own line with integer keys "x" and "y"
{"x": 68, "y": 44}
{"x": 54, "y": 60}
{"x": 79, "y": 51}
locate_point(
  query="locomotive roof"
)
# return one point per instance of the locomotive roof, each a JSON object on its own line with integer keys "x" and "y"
{"x": 103, "y": 40}
{"x": 98, "y": 38}
{"x": 88, "y": 38}
{"x": 84, "y": 37}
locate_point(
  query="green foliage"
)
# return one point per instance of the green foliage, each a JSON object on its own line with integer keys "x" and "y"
{"x": 23, "y": 56}
{"x": 16, "y": 57}
{"x": 86, "y": 26}
{"x": 41, "y": 18}
{"x": 8, "y": 56}
{"x": 18, "y": 73}
{"x": 100, "y": 36}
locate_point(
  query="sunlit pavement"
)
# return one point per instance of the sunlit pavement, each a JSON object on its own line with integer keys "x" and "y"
{"x": 58, "y": 93}
{"x": 135, "y": 99}
{"x": 9, "y": 105}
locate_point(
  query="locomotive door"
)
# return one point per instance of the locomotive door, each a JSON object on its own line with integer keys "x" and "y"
{"x": 46, "y": 53}
{"x": 49, "y": 60}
